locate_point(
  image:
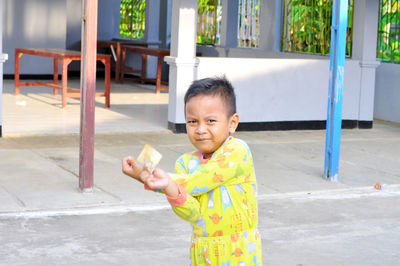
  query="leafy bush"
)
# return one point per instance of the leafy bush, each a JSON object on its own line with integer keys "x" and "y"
{"x": 389, "y": 31}
{"x": 307, "y": 26}
{"x": 132, "y": 18}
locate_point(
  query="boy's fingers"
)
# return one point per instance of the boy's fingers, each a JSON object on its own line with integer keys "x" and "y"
{"x": 150, "y": 182}
{"x": 160, "y": 173}
{"x": 125, "y": 164}
{"x": 126, "y": 161}
{"x": 144, "y": 176}
{"x": 146, "y": 167}
{"x": 132, "y": 162}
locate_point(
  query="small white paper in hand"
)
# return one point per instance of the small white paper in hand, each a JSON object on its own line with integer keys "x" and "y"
{"x": 149, "y": 156}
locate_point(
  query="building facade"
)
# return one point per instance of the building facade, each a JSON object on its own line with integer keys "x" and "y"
{"x": 275, "y": 89}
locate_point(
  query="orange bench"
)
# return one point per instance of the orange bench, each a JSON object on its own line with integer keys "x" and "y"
{"x": 65, "y": 57}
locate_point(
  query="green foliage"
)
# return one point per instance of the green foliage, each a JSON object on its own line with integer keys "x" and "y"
{"x": 388, "y": 49}
{"x": 307, "y": 26}
{"x": 207, "y": 22}
{"x": 132, "y": 18}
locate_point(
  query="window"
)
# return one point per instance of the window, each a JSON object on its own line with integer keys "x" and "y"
{"x": 389, "y": 31}
{"x": 307, "y": 26}
{"x": 248, "y": 23}
{"x": 132, "y": 19}
{"x": 209, "y": 22}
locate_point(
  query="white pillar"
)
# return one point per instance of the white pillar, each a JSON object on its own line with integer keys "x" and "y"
{"x": 3, "y": 58}
{"x": 365, "y": 30}
{"x": 183, "y": 62}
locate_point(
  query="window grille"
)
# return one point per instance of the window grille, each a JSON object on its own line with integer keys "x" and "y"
{"x": 132, "y": 18}
{"x": 248, "y": 23}
{"x": 307, "y": 26}
{"x": 389, "y": 31}
{"x": 209, "y": 22}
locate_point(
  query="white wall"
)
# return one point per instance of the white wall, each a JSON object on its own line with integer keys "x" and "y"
{"x": 387, "y": 92}
{"x": 283, "y": 89}
{"x": 33, "y": 24}
{"x": 50, "y": 24}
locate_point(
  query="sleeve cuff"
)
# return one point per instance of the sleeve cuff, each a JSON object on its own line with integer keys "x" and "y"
{"x": 180, "y": 199}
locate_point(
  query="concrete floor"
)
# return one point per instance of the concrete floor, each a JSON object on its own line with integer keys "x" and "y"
{"x": 134, "y": 107}
{"x": 295, "y": 231}
{"x": 304, "y": 219}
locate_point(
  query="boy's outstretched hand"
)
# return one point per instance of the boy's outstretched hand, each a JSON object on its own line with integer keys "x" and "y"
{"x": 160, "y": 179}
{"x": 131, "y": 168}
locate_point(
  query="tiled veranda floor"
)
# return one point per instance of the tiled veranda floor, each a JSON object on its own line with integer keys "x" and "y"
{"x": 134, "y": 107}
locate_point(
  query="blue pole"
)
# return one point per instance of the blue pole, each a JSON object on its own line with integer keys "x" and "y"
{"x": 335, "y": 96}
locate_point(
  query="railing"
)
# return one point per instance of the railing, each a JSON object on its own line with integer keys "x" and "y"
{"x": 388, "y": 49}
{"x": 307, "y": 26}
{"x": 248, "y": 23}
{"x": 209, "y": 22}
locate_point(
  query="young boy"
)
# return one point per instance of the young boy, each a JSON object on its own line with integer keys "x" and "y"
{"x": 213, "y": 188}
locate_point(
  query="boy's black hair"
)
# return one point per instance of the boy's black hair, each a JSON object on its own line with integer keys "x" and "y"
{"x": 217, "y": 86}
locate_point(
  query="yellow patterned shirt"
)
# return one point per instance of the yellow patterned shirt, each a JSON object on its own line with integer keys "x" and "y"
{"x": 221, "y": 205}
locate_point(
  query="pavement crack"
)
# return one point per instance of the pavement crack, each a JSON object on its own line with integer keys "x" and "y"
{"x": 109, "y": 193}
{"x": 15, "y": 197}
{"x": 55, "y": 160}
{"x": 67, "y": 170}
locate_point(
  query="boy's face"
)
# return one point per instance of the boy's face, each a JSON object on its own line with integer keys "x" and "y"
{"x": 208, "y": 124}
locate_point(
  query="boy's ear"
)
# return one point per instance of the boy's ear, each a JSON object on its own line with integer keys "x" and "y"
{"x": 233, "y": 123}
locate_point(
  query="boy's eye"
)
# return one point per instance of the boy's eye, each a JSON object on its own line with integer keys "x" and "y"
{"x": 211, "y": 121}
{"x": 191, "y": 121}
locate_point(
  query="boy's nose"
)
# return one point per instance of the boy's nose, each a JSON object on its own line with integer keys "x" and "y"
{"x": 200, "y": 129}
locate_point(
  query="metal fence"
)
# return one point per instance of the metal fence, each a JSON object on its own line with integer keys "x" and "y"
{"x": 209, "y": 22}
{"x": 307, "y": 26}
{"x": 248, "y": 24}
{"x": 388, "y": 49}
{"x": 132, "y": 18}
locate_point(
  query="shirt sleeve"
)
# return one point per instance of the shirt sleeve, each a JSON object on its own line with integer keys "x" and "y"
{"x": 229, "y": 162}
{"x": 189, "y": 210}
{"x": 185, "y": 206}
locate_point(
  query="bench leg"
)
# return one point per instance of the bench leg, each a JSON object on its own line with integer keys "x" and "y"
{"x": 118, "y": 62}
{"x": 122, "y": 67}
{"x": 158, "y": 83}
{"x": 107, "y": 82}
{"x": 55, "y": 76}
{"x": 64, "y": 86}
{"x": 16, "y": 71}
{"x": 144, "y": 68}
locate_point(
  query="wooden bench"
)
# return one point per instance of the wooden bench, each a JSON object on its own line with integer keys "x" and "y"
{"x": 144, "y": 52}
{"x": 115, "y": 46}
{"x": 65, "y": 57}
